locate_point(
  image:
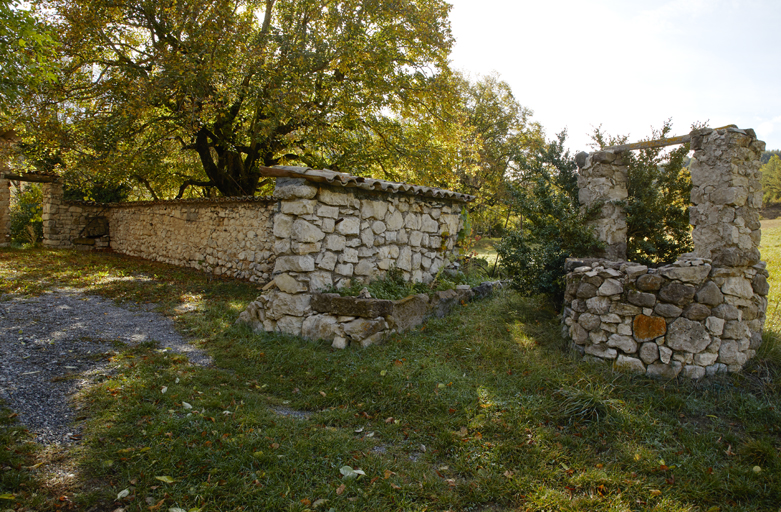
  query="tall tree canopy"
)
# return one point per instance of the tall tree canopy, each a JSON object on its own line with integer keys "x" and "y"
{"x": 239, "y": 83}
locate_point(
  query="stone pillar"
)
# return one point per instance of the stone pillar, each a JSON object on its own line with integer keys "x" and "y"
{"x": 603, "y": 179}
{"x": 726, "y": 196}
{"x": 52, "y": 209}
{"x": 5, "y": 212}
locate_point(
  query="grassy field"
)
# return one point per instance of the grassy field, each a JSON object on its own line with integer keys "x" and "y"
{"x": 482, "y": 411}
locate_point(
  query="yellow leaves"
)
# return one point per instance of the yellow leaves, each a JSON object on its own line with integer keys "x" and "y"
{"x": 165, "y": 479}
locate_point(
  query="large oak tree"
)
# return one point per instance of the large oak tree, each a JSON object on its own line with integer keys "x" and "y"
{"x": 241, "y": 83}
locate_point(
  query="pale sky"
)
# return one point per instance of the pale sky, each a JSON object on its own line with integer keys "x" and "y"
{"x": 629, "y": 64}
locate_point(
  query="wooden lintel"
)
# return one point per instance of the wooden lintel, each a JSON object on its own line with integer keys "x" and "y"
{"x": 34, "y": 178}
{"x": 659, "y": 143}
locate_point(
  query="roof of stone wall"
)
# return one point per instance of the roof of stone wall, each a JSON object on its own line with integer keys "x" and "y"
{"x": 199, "y": 201}
{"x": 348, "y": 181}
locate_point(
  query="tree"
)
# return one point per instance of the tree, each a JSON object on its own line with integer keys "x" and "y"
{"x": 26, "y": 55}
{"x": 503, "y": 135}
{"x": 771, "y": 180}
{"x": 239, "y": 83}
{"x": 552, "y": 228}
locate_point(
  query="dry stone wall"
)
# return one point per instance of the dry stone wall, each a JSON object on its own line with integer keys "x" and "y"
{"x": 5, "y": 212}
{"x": 689, "y": 318}
{"x": 705, "y": 313}
{"x": 331, "y": 236}
{"x": 223, "y": 238}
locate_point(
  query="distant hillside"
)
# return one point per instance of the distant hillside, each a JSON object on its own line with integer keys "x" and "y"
{"x": 766, "y": 155}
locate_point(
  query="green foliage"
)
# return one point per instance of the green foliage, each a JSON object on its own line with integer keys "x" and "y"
{"x": 767, "y": 155}
{"x": 96, "y": 191}
{"x": 26, "y": 211}
{"x": 658, "y": 229}
{"x": 26, "y": 54}
{"x": 236, "y": 85}
{"x": 552, "y": 228}
{"x": 771, "y": 180}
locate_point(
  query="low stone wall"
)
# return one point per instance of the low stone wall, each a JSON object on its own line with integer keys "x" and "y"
{"x": 689, "y": 318}
{"x": 363, "y": 322}
{"x": 5, "y": 212}
{"x": 230, "y": 238}
{"x": 328, "y": 235}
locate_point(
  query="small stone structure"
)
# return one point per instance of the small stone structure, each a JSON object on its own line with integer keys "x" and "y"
{"x": 705, "y": 313}
{"x": 327, "y": 236}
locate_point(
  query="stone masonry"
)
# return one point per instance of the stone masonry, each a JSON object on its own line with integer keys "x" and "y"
{"x": 5, "y": 212}
{"x": 328, "y": 236}
{"x": 705, "y": 313}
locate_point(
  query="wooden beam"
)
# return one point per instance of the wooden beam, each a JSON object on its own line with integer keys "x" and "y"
{"x": 659, "y": 143}
{"x": 34, "y": 178}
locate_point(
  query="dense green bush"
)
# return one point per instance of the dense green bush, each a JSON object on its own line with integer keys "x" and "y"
{"x": 26, "y": 221}
{"x": 552, "y": 226}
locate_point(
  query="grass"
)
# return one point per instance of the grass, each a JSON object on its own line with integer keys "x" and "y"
{"x": 484, "y": 410}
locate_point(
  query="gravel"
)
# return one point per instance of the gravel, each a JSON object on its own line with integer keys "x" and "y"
{"x": 53, "y": 345}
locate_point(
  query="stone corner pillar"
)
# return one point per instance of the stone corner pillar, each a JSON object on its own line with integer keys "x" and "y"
{"x": 726, "y": 196}
{"x": 603, "y": 180}
{"x": 5, "y": 212}
{"x": 52, "y": 210}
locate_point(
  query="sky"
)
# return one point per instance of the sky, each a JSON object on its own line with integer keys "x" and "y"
{"x": 628, "y": 65}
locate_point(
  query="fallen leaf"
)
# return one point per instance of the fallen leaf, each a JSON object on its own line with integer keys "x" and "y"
{"x": 395, "y": 486}
{"x": 655, "y": 492}
{"x": 389, "y": 420}
{"x": 164, "y": 389}
{"x": 166, "y": 479}
{"x": 306, "y": 502}
{"x": 7, "y": 496}
{"x": 757, "y": 469}
{"x": 122, "y": 494}
{"x": 186, "y": 405}
{"x": 388, "y": 473}
{"x": 319, "y": 503}
{"x": 340, "y": 490}
{"x": 508, "y": 474}
{"x": 383, "y": 373}
{"x": 322, "y": 393}
{"x": 176, "y": 509}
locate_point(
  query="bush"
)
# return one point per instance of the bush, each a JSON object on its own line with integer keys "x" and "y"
{"x": 552, "y": 228}
{"x": 26, "y": 212}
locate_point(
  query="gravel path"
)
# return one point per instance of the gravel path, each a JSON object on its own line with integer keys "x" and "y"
{"x": 53, "y": 345}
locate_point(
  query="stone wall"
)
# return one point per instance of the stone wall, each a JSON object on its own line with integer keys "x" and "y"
{"x": 603, "y": 183}
{"x": 5, "y": 212}
{"x": 328, "y": 235}
{"x": 689, "y": 318}
{"x": 705, "y": 313}
{"x": 228, "y": 238}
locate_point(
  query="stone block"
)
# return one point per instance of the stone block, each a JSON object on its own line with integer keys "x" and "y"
{"x": 283, "y": 226}
{"x": 365, "y": 268}
{"x": 289, "y": 304}
{"x": 710, "y": 294}
{"x": 408, "y": 312}
{"x": 735, "y": 329}
{"x": 629, "y": 364}
{"x": 693, "y": 372}
{"x": 299, "y": 207}
{"x": 677, "y": 293}
{"x": 738, "y": 287}
{"x": 715, "y": 326}
{"x": 649, "y": 352}
{"x": 705, "y": 358}
{"x": 578, "y": 334}
{"x": 361, "y": 328}
{"x": 598, "y": 305}
{"x": 340, "y": 342}
{"x": 333, "y": 304}
{"x": 646, "y": 328}
{"x": 373, "y": 209}
{"x": 294, "y": 188}
{"x": 760, "y": 285}
{"x": 586, "y": 291}
{"x": 374, "y": 339}
{"x": 335, "y": 243}
{"x": 668, "y": 310}
{"x": 695, "y": 275}
{"x": 345, "y": 269}
{"x": 394, "y": 221}
{"x": 610, "y": 287}
{"x": 625, "y": 343}
{"x": 622, "y": 309}
{"x": 335, "y": 196}
{"x": 319, "y": 281}
{"x": 327, "y": 261}
{"x": 649, "y": 282}
{"x": 697, "y": 312}
{"x": 601, "y": 351}
{"x": 348, "y": 226}
{"x": 289, "y": 325}
{"x": 294, "y": 264}
{"x": 664, "y": 371}
{"x": 288, "y": 284}
{"x": 646, "y": 300}
{"x": 428, "y": 225}
{"x": 320, "y": 327}
{"x": 687, "y": 336}
{"x": 730, "y": 353}
{"x": 589, "y": 321}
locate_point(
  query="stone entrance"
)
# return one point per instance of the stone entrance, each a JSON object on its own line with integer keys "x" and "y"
{"x": 705, "y": 313}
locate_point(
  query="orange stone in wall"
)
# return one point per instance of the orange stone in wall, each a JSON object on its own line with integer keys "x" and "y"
{"x": 646, "y": 328}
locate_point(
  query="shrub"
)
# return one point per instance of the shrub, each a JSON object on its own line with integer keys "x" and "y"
{"x": 552, "y": 227}
{"x": 26, "y": 221}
